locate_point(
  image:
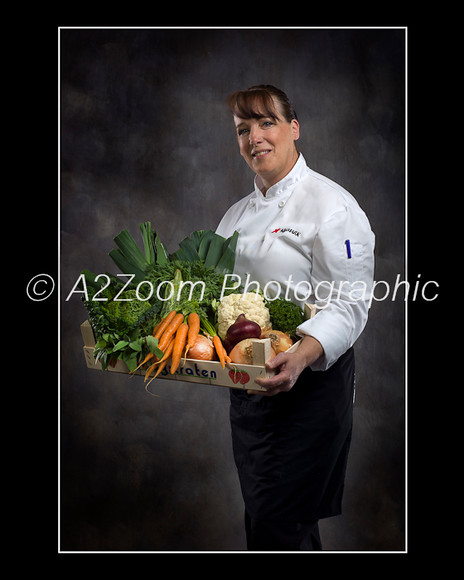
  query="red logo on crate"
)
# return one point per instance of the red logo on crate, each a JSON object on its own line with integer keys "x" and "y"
{"x": 239, "y": 377}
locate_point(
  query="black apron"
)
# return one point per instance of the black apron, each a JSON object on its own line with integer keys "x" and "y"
{"x": 291, "y": 450}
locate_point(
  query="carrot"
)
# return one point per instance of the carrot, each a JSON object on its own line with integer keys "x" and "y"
{"x": 166, "y": 355}
{"x": 157, "y": 332}
{"x": 149, "y": 371}
{"x": 220, "y": 350}
{"x": 167, "y": 351}
{"x": 179, "y": 344}
{"x": 157, "y": 326}
{"x": 170, "y": 330}
{"x": 160, "y": 368}
{"x": 227, "y": 358}
{"x": 145, "y": 360}
{"x": 161, "y": 327}
{"x": 165, "y": 341}
{"x": 194, "y": 328}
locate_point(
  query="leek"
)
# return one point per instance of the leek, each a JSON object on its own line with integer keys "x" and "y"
{"x": 225, "y": 264}
{"x": 148, "y": 246}
{"x": 205, "y": 243}
{"x": 160, "y": 251}
{"x": 130, "y": 250}
{"x": 131, "y": 260}
{"x": 214, "y": 250}
{"x": 126, "y": 266}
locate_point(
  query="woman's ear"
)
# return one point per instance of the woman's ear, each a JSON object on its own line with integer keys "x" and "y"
{"x": 295, "y": 126}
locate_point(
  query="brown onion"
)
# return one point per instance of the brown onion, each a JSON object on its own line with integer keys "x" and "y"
{"x": 280, "y": 341}
{"x": 242, "y": 352}
{"x": 242, "y": 328}
{"x": 202, "y": 349}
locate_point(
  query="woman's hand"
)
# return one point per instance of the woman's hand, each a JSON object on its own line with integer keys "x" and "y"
{"x": 289, "y": 366}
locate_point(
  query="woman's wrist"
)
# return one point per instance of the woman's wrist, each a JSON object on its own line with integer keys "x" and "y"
{"x": 309, "y": 350}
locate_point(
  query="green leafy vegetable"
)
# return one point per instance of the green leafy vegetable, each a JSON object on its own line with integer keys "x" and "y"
{"x": 285, "y": 315}
{"x": 128, "y": 308}
{"x": 120, "y": 326}
{"x": 195, "y": 287}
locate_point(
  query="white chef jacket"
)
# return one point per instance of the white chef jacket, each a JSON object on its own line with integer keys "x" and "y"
{"x": 308, "y": 238}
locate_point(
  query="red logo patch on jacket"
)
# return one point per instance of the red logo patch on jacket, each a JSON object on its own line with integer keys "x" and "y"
{"x": 290, "y": 230}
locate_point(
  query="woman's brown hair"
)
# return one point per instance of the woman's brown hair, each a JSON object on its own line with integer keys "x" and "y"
{"x": 260, "y": 101}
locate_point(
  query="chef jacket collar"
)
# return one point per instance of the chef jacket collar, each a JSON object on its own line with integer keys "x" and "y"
{"x": 299, "y": 170}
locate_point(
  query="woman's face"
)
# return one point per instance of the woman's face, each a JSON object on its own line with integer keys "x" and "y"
{"x": 268, "y": 146}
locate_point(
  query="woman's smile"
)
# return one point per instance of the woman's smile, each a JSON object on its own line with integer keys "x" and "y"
{"x": 260, "y": 154}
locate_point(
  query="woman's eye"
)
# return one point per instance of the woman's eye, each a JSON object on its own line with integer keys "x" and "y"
{"x": 263, "y": 124}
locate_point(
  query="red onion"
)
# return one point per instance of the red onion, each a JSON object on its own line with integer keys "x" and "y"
{"x": 242, "y": 328}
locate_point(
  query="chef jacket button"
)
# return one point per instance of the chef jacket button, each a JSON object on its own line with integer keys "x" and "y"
{"x": 252, "y": 203}
{"x": 281, "y": 203}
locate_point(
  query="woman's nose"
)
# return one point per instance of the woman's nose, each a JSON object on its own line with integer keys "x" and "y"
{"x": 255, "y": 135}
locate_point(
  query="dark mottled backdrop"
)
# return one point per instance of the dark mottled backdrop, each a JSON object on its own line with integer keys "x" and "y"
{"x": 145, "y": 135}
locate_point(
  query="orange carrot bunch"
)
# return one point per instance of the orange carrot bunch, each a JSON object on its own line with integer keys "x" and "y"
{"x": 176, "y": 335}
{"x": 162, "y": 332}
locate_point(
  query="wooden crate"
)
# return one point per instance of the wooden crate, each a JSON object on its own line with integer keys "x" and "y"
{"x": 235, "y": 376}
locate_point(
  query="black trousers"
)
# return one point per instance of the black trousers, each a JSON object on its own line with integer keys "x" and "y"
{"x": 291, "y": 452}
{"x": 264, "y": 535}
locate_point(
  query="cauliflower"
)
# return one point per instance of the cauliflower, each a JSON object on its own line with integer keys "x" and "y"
{"x": 250, "y": 304}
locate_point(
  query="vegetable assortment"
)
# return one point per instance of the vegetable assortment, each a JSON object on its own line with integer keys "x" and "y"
{"x": 176, "y": 306}
{"x": 145, "y": 327}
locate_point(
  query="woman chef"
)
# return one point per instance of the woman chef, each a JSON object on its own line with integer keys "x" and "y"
{"x": 306, "y": 234}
